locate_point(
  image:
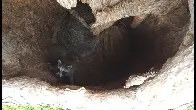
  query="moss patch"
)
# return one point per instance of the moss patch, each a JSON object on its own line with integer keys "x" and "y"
{"x": 190, "y": 107}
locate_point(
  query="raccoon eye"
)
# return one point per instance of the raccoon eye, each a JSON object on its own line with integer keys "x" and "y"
{"x": 69, "y": 67}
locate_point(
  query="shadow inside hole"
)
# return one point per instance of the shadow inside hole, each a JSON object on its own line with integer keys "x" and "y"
{"x": 142, "y": 50}
{"x": 124, "y": 51}
{"x": 132, "y": 54}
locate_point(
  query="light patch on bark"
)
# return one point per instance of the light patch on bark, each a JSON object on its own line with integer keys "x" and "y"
{"x": 139, "y": 79}
{"x": 137, "y": 20}
{"x": 67, "y": 3}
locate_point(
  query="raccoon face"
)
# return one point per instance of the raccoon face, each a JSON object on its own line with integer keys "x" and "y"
{"x": 63, "y": 70}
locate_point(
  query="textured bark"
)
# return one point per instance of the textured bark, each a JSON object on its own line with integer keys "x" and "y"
{"x": 115, "y": 10}
{"x": 27, "y": 29}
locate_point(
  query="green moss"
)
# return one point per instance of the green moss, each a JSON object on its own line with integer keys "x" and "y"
{"x": 190, "y": 107}
{"x": 14, "y": 107}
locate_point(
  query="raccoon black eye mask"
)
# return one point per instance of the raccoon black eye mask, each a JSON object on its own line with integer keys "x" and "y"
{"x": 63, "y": 70}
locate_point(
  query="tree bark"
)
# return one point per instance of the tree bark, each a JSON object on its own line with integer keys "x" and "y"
{"x": 171, "y": 88}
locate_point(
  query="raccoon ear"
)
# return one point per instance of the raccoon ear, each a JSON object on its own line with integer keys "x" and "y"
{"x": 59, "y": 63}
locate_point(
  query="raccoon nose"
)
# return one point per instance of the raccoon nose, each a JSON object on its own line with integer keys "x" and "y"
{"x": 64, "y": 70}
